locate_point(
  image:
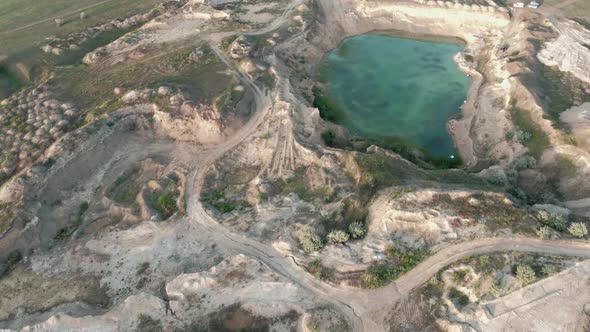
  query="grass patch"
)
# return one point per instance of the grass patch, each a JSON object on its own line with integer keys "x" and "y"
{"x": 399, "y": 260}
{"x": 226, "y": 42}
{"x": 164, "y": 203}
{"x": 458, "y": 297}
{"x": 13, "y": 258}
{"x": 9, "y": 82}
{"x": 537, "y": 141}
{"x": 378, "y": 171}
{"x": 7, "y": 216}
{"x": 71, "y": 57}
{"x": 92, "y": 87}
{"x": 125, "y": 188}
{"x": 321, "y": 272}
{"x": 582, "y": 22}
{"x": 561, "y": 90}
{"x": 219, "y": 201}
{"x": 491, "y": 210}
{"x": 67, "y": 232}
{"x": 298, "y": 185}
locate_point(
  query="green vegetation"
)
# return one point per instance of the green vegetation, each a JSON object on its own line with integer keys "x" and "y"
{"x": 409, "y": 151}
{"x": 337, "y": 236}
{"x": 561, "y": 91}
{"x": 309, "y": 239}
{"x": 583, "y": 22}
{"x": 298, "y": 184}
{"x": 228, "y": 99}
{"x": 126, "y": 187}
{"x": 578, "y": 229}
{"x": 72, "y": 57}
{"x": 328, "y": 108}
{"x": 524, "y": 163}
{"x": 357, "y": 230}
{"x": 9, "y": 82}
{"x": 226, "y": 42}
{"x": 378, "y": 171}
{"x": 25, "y": 25}
{"x": 532, "y": 136}
{"x": 7, "y": 215}
{"x": 92, "y": 87}
{"x": 493, "y": 210}
{"x": 148, "y": 324}
{"x": 321, "y": 272}
{"x": 554, "y": 220}
{"x": 218, "y": 200}
{"x": 329, "y": 138}
{"x": 400, "y": 259}
{"x": 13, "y": 258}
{"x": 458, "y": 297}
{"x": 525, "y": 275}
{"x": 66, "y": 232}
{"x": 544, "y": 233}
{"x": 459, "y": 276}
{"x": 164, "y": 203}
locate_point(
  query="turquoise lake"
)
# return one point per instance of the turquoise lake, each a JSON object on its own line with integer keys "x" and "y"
{"x": 397, "y": 87}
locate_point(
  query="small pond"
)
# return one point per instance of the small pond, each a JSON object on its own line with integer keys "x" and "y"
{"x": 394, "y": 87}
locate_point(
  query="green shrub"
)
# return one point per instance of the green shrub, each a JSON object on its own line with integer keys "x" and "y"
{"x": 496, "y": 180}
{"x": 548, "y": 270}
{"x": 329, "y": 110}
{"x": 458, "y": 297}
{"x": 13, "y": 258}
{"x": 224, "y": 207}
{"x": 525, "y": 162}
{"x": 321, "y": 272}
{"x": 66, "y": 232}
{"x": 525, "y": 275}
{"x": 329, "y": 137}
{"x": 512, "y": 176}
{"x": 530, "y": 133}
{"x": 309, "y": 240}
{"x": 357, "y": 230}
{"x": 544, "y": 233}
{"x": 578, "y": 229}
{"x": 496, "y": 288}
{"x": 459, "y": 276}
{"x": 165, "y": 204}
{"x": 337, "y": 236}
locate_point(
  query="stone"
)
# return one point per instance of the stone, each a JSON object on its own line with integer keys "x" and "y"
{"x": 130, "y": 96}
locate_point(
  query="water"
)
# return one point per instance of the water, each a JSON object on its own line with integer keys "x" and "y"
{"x": 396, "y": 87}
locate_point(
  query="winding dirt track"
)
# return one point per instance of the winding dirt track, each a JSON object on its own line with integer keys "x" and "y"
{"x": 366, "y": 310}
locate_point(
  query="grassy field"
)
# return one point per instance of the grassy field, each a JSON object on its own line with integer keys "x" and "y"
{"x": 25, "y": 24}
{"x": 579, "y": 10}
{"x": 92, "y": 87}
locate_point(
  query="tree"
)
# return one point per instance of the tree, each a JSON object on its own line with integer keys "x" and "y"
{"x": 337, "y": 236}
{"x": 309, "y": 239}
{"x": 544, "y": 232}
{"x": 525, "y": 275}
{"x": 357, "y": 230}
{"x": 578, "y": 229}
